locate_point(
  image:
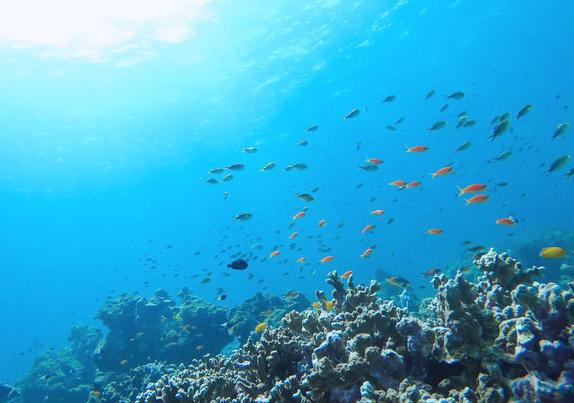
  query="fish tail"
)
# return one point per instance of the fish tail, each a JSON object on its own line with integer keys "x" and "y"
{"x": 460, "y": 190}
{"x": 467, "y": 202}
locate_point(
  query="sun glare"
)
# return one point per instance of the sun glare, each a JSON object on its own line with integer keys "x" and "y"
{"x": 97, "y": 29}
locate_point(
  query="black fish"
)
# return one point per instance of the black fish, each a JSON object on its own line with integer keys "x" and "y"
{"x": 238, "y": 264}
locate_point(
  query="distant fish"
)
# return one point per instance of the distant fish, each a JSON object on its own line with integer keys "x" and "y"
{"x": 570, "y": 173}
{"x": 389, "y": 98}
{"x": 305, "y": 197}
{"x": 375, "y": 161}
{"x": 227, "y": 178}
{"x": 269, "y": 166}
{"x": 211, "y": 181}
{"x": 477, "y": 199}
{"x": 502, "y": 156}
{"x": 500, "y": 129}
{"x": 367, "y": 252}
{"x": 298, "y": 166}
{"x": 437, "y": 126}
{"x": 463, "y": 146}
{"x": 456, "y": 95}
{"x": 250, "y": 150}
{"x": 326, "y": 259}
{"x": 399, "y": 120}
{"x": 216, "y": 170}
{"x": 298, "y": 215}
{"x": 417, "y": 149}
{"x": 236, "y": 167}
{"x": 302, "y": 143}
{"x": 560, "y": 130}
{"x": 553, "y": 252}
{"x": 347, "y": 274}
{"x": 369, "y": 168}
{"x": 352, "y": 114}
{"x": 243, "y": 217}
{"x": 444, "y": 108}
{"x": 391, "y": 128}
{"x": 443, "y": 171}
{"x": 525, "y": 110}
{"x": 507, "y": 221}
{"x": 378, "y": 212}
{"x": 435, "y": 231}
{"x": 368, "y": 228}
{"x": 430, "y": 94}
{"x": 313, "y": 128}
{"x": 261, "y": 327}
{"x": 474, "y": 188}
{"x": 431, "y": 272}
{"x": 398, "y": 282}
{"x": 558, "y": 164}
{"x": 413, "y": 184}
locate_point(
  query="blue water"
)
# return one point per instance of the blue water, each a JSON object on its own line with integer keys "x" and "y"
{"x": 103, "y": 162}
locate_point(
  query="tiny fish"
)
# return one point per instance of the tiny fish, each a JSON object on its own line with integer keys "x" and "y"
{"x": 352, "y": 114}
{"x": 463, "y": 146}
{"x": 443, "y": 171}
{"x": 302, "y": 142}
{"x": 274, "y": 253}
{"x": 312, "y": 128}
{"x": 269, "y": 166}
{"x": 474, "y": 188}
{"x": 431, "y": 272}
{"x": 412, "y": 185}
{"x": 437, "y": 126}
{"x": 499, "y": 129}
{"x": 347, "y": 274}
{"x": 560, "y": 130}
{"x": 456, "y": 95}
{"x": 502, "y": 156}
{"x": 506, "y": 221}
{"x": 236, "y": 167}
{"x": 369, "y": 168}
{"x": 305, "y": 197}
{"x": 368, "y": 228}
{"x": 477, "y": 199}
{"x": 299, "y": 166}
{"x": 216, "y": 170}
{"x": 227, "y": 178}
{"x": 250, "y": 150}
{"x": 417, "y": 149}
{"x": 389, "y": 98}
{"x": 435, "y": 231}
{"x": 260, "y": 328}
{"x": 444, "y": 108}
{"x": 378, "y": 212}
{"x": 243, "y": 217}
{"x": 398, "y": 282}
{"x": 211, "y": 181}
{"x": 525, "y": 110}
{"x": 558, "y": 164}
{"x": 326, "y": 259}
{"x": 430, "y": 94}
{"x": 367, "y": 252}
{"x": 298, "y": 215}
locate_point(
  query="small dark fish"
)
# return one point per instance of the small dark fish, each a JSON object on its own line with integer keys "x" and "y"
{"x": 400, "y": 120}
{"x": 431, "y": 272}
{"x": 227, "y": 178}
{"x": 305, "y": 197}
{"x": 398, "y": 282}
{"x": 391, "y": 128}
{"x": 313, "y": 128}
{"x": 302, "y": 143}
{"x": 236, "y": 167}
{"x": 470, "y": 123}
{"x": 476, "y": 248}
{"x": 389, "y": 98}
{"x": 437, "y": 125}
{"x": 352, "y": 114}
{"x": 299, "y": 166}
{"x": 243, "y": 217}
{"x": 216, "y": 170}
{"x": 211, "y": 181}
{"x": 444, "y": 108}
{"x": 463, "y": 146}
{"x": 250, "y": 150}
{"x": 461, "y": 122}
{"x": 238, "y": 264}
{"x": 221, "y": 297}
{"x": 369, "y": 168}
{"x": 430, "y": 94}
{"x": 560, "y": 130}
{"x": 558, "y": 164}
{"x": 456, "y": 95}
{"x": 570, "y": 173}
{"x": 502, "y": 156}
{"x": 359, "y": 185}
{"x": 500, "y": 129}
{"x": 358, "y": 146}
{"x": 315, "y": 190}
{"x": 525, "y": 110}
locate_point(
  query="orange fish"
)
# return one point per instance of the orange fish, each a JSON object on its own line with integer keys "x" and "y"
{"x": 322, "y": 223}
{"x": 301, "y": 260}
{"x": 507, "y": 221}
{"x": 375, "y": 161}
{"x": 475, "y": 187}
{"x": 298, "y": 215}
{"x": 477, "y": 199}
{"x": 435, "y": 231}
{"x": 293, "y": 235}
{"x": 367, "y": 252}
{"x": 378, "y": 212}
{"x": 275, "y": 253}
{"x": 413, "y": 185}
{"x": 326, "y": 259}
{"x": 398, "y": 183}
{"x": 417, "y": 149}
{"x": 443, "y": 171}
{"x": 347, "y": 274}
{"x": 368, "y": 228}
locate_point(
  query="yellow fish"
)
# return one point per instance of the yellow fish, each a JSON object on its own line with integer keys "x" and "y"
{"x": 316, "y": 305}
{"x": 329, "y": 305}
{"x": 301, "y": 260}
{"x": 553, "y": 252}
{"x": 260, "y": 328}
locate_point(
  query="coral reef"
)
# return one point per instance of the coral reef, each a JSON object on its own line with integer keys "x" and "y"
{"x": 505, "y": 336}
{"x": 262, "y": 308}
{"x": 66, "y": 375}
{"x": 143, "y": 330}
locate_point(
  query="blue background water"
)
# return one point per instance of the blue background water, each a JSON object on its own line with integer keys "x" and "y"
{"x": 103, "y": 165}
